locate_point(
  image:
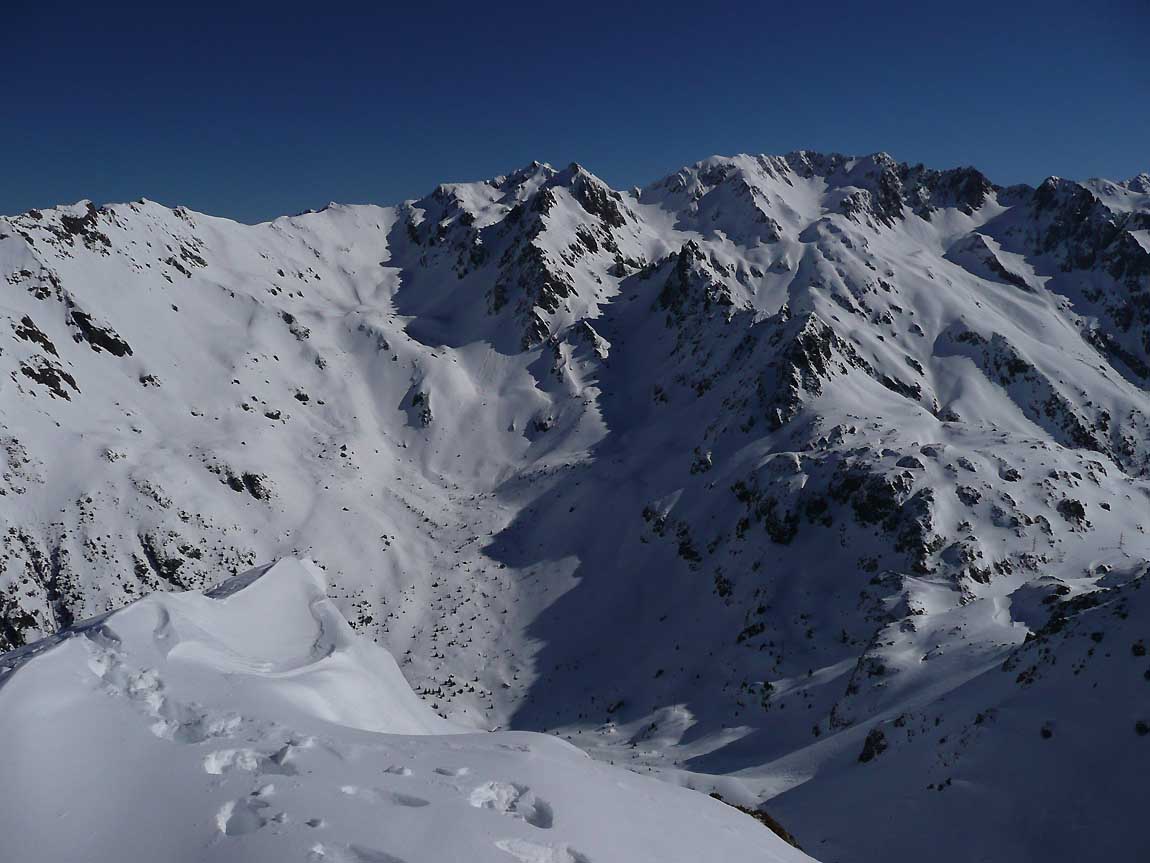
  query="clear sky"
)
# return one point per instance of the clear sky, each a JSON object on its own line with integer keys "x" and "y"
{"x": 252, "y": 110}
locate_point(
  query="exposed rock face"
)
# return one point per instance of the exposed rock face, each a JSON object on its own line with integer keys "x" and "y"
{"x": 874, "y": 746}
{"x": 98, "y": 338}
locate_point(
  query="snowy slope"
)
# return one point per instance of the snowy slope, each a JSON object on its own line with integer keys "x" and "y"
{"x": 1062, "y": 723}
{"x": 714, "y": 477}
{"x": 251, "y": 724}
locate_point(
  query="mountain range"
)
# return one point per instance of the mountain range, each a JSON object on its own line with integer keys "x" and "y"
{"x": 814, "y": 481}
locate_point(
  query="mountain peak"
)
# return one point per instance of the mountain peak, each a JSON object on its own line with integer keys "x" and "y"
{"x": 1140, "y": 183}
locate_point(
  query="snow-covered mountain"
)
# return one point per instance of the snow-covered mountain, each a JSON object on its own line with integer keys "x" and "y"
{"x": 818, "y": 481}
{"x": 176, "y": 730}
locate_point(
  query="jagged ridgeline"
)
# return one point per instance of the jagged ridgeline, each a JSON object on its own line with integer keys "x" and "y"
{"x": 776, "y": 459}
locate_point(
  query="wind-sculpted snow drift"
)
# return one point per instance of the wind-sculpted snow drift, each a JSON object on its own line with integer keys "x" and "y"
{"x": 252, "y": 724}
{"x": 813, "y": 480}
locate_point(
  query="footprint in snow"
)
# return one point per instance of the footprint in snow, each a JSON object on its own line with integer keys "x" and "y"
{"x": 321, "y": 853}
{"x": 182, "y": 722}
{"x": 451, "y": 771}
{"x": 514, "y": 801}
{"x": 237, "y": 817}
{"x": 382, "y": 795}
{"x": 248, "y": 760}
{"x": 532, "y": 852}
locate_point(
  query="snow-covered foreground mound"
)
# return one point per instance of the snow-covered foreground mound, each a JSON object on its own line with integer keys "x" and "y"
{"x": 252, "y": 724}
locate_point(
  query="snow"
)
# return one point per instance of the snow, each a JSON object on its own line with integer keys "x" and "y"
{"x": 251, "y": 724}
{"x": 712, "y": 479}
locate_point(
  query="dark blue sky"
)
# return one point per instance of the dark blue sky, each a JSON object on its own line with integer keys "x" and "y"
{"x": 251, "y": 110}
